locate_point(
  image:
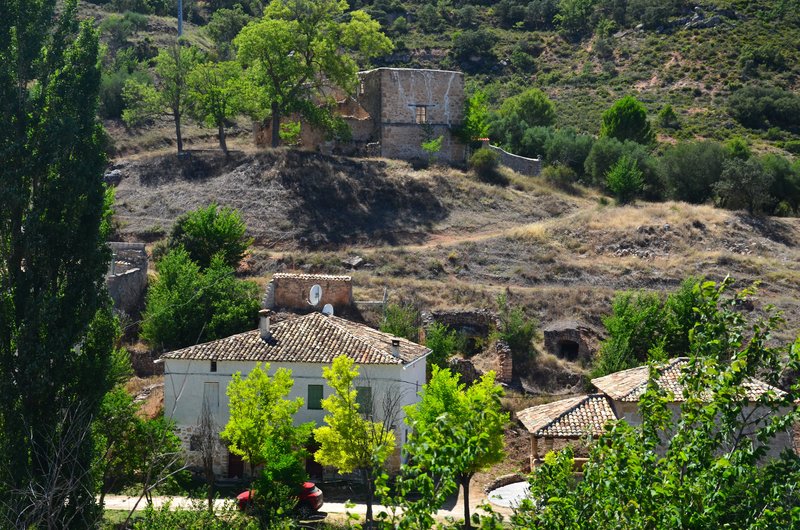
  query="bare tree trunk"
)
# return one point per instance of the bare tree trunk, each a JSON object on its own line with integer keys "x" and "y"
{"x": 370, "y": 497}
{"x": 276, "y": 125}
{"x": 465, "y": 485}
{"x": 222, "y": 144}
{"x": 177, "y": 116}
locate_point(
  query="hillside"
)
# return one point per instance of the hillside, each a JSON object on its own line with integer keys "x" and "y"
{"x": 693, "y": 57}
{"x": 443, "y": 239}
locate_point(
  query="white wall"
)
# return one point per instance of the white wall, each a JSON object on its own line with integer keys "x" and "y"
{"x": 184, "y": 383}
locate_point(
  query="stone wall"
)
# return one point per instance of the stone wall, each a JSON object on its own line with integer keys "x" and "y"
{"x": 290, "y": 291}
{"x": 520, "y": 164}
{"x": 403, "y": 90}
{"x": 127, "y": 276}
{"x": 572, "y": 340}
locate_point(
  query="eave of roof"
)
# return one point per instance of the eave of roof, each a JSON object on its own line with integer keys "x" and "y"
{"x": 568, "y": 418}
{"x": 313, "y": 338}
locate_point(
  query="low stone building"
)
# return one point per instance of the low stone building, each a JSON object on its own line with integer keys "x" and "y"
{"x": 126, "y": 278}
{"x": 580, "y": 416}
{"x": 571, "y": 340}
{"x": 288, "y": 291}
{"x": 394, "y": 111}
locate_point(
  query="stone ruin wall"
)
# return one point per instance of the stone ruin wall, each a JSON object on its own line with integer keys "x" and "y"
{"x": 402, "y": 90}
{"x": 290, "y": 291}
{"x": 586, "y": 337}
{"x": 522, "y": 165}
{"x": 477, "y": 322}
{"x": 127, "y": 276}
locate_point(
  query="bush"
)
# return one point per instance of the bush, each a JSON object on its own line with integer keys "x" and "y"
{"x": 209, "y": 231}
{"x": 627, "y": 120}
{"x": 568, "y": 148}
{"x": 486, "y": 163}
{"x": 667, "y": 119}
{"x": 401, "y": 320}
{"x": 690, "y": 170}
{"x": 624, "y": 180}
{"x": 764, "y": 107}
{"x": 744, "y": 185}
{"x": 516, "y": 329}
{"x": 562, "y": 176}
{"x": 111, "y": 84}
{"x": 195, "y": 518}
{"x": 186, "y": 305}
{"x": 443, "y": 342}
{"x": 606, "y": 152}
{"x": 469, "y": 44}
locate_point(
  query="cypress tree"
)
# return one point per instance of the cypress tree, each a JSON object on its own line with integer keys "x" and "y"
{"x": 56, "y": 326}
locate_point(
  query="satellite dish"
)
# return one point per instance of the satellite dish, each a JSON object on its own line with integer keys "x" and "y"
{"x": 315, "y": 295}
{"x": 327, "y": 310}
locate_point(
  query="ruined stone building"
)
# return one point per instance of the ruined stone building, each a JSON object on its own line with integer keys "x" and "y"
{"x": 394, "y": 111}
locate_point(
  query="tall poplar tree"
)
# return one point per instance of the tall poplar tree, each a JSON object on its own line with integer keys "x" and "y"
{"x": 56, "y": 328}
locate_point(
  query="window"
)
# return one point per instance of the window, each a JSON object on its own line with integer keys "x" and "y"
{"x": 314, "y": 397}
{"x": 364, "y": 400}
{"x": 211, "y": 395}
{"x": 213, "y": 366}
{"x": 422, "y": 114}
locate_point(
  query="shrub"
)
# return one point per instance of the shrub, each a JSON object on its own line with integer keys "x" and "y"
{"x": 624, "y": 180}
{"x": 690, "y": 170}
{"x": 667, "y": 118}
{"x": 112, "y": 81}
{"x": 486, "y": 163}
{"x": 469, "y": 44}
{"x": 401, "y": 320}
{"x": 568, "y": 148}
{"x": 186, "y": 305}
{"x": 744, "y": 184}
{"x": 574, "y": 16}
{"x": 560, "y": 175}
{"x": 443, "y": 342}
{"x": 209, "y": 231}
{"x": 606, "y": 152}
{"x": 516, "y": 329}
{"x": 627, "y": 120}
{"x": 764, "y": 107}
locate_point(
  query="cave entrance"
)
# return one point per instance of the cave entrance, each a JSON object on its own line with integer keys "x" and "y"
{"x": 568, "y": 349}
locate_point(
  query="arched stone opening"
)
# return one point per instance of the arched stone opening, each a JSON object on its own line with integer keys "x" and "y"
{"x": 568, "y": 349}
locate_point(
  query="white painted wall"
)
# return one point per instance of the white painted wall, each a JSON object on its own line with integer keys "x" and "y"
{"x": 186, "y": 381}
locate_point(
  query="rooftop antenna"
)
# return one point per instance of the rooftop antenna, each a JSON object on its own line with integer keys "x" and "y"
{"x": 180, "y": 18}
{"x": 315, "y": 295}
{"x": 327, "y": 310}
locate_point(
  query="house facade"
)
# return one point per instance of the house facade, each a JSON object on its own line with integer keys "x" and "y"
{"x": 388, "y": 366}
{"x": 618, "y": 399}
{"x": 394, "y": 111}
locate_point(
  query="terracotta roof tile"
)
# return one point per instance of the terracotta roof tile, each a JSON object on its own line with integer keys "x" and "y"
{"x": 313, "y": 338}
{"x": 630, "y": 385}
{"x": 569, "y": 418}
{"x": 320, "y": 277}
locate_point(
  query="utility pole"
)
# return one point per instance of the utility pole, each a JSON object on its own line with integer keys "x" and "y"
{"x": 180, "y": 18}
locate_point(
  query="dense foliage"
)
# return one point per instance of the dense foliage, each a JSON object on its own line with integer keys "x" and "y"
{"x": 703, "y": 467}
{"x": 187, "y": 305}
{"x": 56, "y": 328}
{"x": 210, "y": 231}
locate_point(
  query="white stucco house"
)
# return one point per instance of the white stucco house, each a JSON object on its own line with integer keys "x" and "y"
{"x": 388, "y": 365}
{"x": 576, "y": 417}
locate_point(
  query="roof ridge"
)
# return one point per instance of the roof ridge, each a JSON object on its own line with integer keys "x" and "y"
{"x": 581, "y": 399}
{"x": 333, "y": 322}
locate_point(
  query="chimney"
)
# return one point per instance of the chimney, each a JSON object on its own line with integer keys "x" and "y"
{"x": 263, "y": 323}
{"x": 396, "y": 347}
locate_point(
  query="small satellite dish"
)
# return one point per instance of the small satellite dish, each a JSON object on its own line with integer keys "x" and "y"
{"x": 327, "y": 310}
{"x": 315, "y": 295}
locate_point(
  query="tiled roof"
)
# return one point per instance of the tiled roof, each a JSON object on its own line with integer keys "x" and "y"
{"x": 320, "y": 277}
{"x": 568, "y": 418}
{"x": 630, "y": 385}
{"x": 313, "y": 338}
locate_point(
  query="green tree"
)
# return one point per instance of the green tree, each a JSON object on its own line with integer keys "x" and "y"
{"x": 476, "y": 117}
{"x": 690, "y": 170}
{"x": 170, "y": 95}
{"x": 301, "y": 47}
{"x": 56, "y": 329}
{"x": 350, "y": 442}
{"x": 624, "y": 180}
{"x": 643, "y": 327}
{"x": 627, "y": 120}
{"x": 261, "y": 414}
{"x": 186, "y": 305}
{"x": 575, "y": 16}
{"x": 223, "y": 27}
{"x": 516, "y": 329}
{"x": 703, "y": 467}
{"x": 209, "y": 231}
{"x": 744, "y": 185}
{"x": 443, "y": 343}
{"x": 401, "y": 320}
{"x": 464, "y": 424}
{"x": 216, "y": 95}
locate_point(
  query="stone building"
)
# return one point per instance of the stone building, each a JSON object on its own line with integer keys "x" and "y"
{"x": 394, "y": 111}
{"x": 288, "y": 291}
